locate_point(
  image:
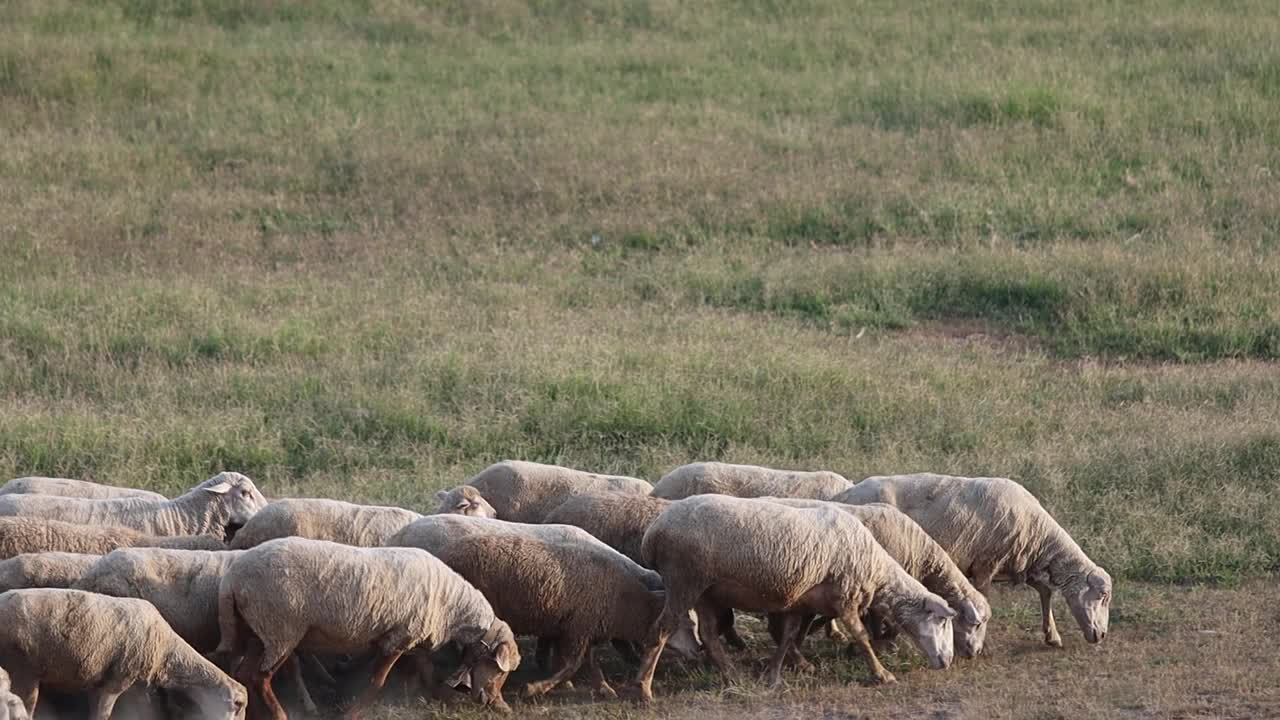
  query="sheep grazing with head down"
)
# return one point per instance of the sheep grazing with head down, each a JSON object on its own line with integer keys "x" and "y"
{"x": 525, "y": 492}
{"x": 43, "y": 570}
{"x": 11, "y": 708}
{"x": 67, "y": 487}
{"x": 572, "y": 592}
{"x": 748, "y": 481}
{"x": 994, "y": 529}
{"x": 20, "y": 535}
{"x": 319, "y": 519}
{"x": 316, "y": 596}
{"x": 925, "y": 560}
{"x": 220, "y": 504}
{"x": 77, "y": 641}
{"x": 716, "y": 552}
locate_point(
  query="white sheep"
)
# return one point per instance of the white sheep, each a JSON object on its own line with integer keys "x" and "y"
{"x": 316, "y": 596}
{"x": 77, "y": 641}
{"x": 11, "y": 708}
{"x": 67, "y": 487}
{"x": 44, "y": 570}
{"x": 182, "y": 585}
{"x": 20, "y": 535}
{"x": 319, "y": 519}
{"x": 525, "y": 492}
{"x": 926, "y": 561}
{"x": 748, "y": 481}
{"x": 219, "y": 504}
{"x": 715, "y": 551}
{"x": 994, "y": 529}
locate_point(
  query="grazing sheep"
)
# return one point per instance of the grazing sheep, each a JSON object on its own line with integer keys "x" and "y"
{"x": 748, "y": 481}
{"x": 20, "y": 535}
{"x": 618, "y": 520}
{"x": 526, "y": 492}
{"x": 78, "y": 641}
{"x": 182, "y": 585}
{"x": 66, "y": 487}
{"x": 993, "y": 528}
{"x": 926, "y": 561}
{"x": 575, "y": 593}
{"x": 43, "y": 570}
{"x": 11, "y": 708}
{"x": 219, "y": 504}
{"x": 317, "y": 519}
{"x": 715, "y": 552}
{"x": 465, "y": 500}
{"x": 312, "y": 595}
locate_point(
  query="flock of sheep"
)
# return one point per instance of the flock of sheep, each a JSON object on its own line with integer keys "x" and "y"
{"x": 107, "y": 589}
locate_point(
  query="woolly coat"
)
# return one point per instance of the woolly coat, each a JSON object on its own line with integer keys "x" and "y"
{"x": 526, "y": 492}
{"x": 319, "y": 519}
{"x": 323, "y": 597}
{"x": 44, "y": 570}
{"x": 71, "y": 640}
{"x": 67, "y": 487}
{"x": 181, "y": 584}
{"x": 748, "y": 481}
{"x": 20, "y": 535}
{"x": 618, "y": 520}
{"x": 227, "y": 499}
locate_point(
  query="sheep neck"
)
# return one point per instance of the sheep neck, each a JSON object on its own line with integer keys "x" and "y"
{"x": 183, "y": 667}
{"x": 194, "y": 514}
{"x": 1061, "y": 560}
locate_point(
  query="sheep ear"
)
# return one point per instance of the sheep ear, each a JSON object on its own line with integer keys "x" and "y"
{"x": 463, "y": 504}
{"x": 939, "y": 609}
{"x": 462, "y": 677}
{"x": 507, "y": 657}
{"x": 221, "y": 488}
{"x": 442, "y": 495}
{"x": 1097, "y": 582}
{"x": 971, "y": 614}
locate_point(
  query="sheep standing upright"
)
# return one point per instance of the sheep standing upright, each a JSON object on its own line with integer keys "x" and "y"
{"x": 748, "y": 481}
{"x": 715, "y": 551}
{"x": 320, "y": 519}
{"x": 525, "y": 492}
{"x": 322, "y": 597}
{"x": 220, "y": 504}
{"x": 67, "y": 487}
{"x": 993, "y": 528}
{"x": 20, "y": 535}
{"x": 78, "y": 641}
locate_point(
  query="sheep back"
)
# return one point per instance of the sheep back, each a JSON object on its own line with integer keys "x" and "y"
{"x": 67, "y": 487}
{"x": 748, "y": 481}
{"x": 617, "y": 519}
{"x": 526, "y": 492}
{"x": 20, "y": 535}
{"x": 320, "y": 519}
{"x": 44, "y": 570}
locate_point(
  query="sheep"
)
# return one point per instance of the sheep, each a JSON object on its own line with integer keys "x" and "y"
{"x": 73, "y": 640}
{"x": 317, "y": 519}
{"x": 994, "y": 529}
{"x": 48, "y": 569}
{"x": 11, "y": 708}
{"x": 465, "y": 500}
{"x": 67, "y": 487}
{"x": 747, "y": 481}
{"x": 918, "y": 554}
{"x": 20, "y": 535}
{"x": 715, "y": 551}
{"x": 219, "y": 504}
{"x": 313, "y": 595}
{"x": 526, "y": 492}
{"x": 571, "y": 591}
{"x": 616, "y": 519}
{"x": 182, "y": 585}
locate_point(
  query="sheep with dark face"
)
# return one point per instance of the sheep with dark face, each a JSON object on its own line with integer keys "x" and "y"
{"x": 994, "y": 529}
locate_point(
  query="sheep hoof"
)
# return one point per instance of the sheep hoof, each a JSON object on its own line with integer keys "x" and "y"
{"x": 886, "y": 678}
{"x": 1053, "y": 641}
{"x": 606, "y": 692}
{"x": 636, "y": 694}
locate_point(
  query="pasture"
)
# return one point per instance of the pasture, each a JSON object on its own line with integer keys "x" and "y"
{"x": 362, "y": 249}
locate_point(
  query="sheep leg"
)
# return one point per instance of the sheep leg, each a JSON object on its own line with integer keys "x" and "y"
{"x": 854, "y": 625}
{"x": 594, "y": 675}
{"x": 27, "y": 688}
{"x": 678, "y": 603}
{"x": 104, "y": 701}
{"x": 1047, "y": 624}
{"x": 728, "y": 630}
{"x": 571, "y": 654}
{"x": 711, "y": 638}
{"x": 380, "y": 672}
{"x": 295, "y": 672}
{"x": 256, "y": 679}
{"x": 777, "y": 626}
{"x": 788, "y": 627}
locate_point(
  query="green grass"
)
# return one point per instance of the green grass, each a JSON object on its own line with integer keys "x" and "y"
{"x": 347, "y": 248}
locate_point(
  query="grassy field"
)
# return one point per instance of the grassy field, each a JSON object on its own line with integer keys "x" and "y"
{"x": 364, "y": 249}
